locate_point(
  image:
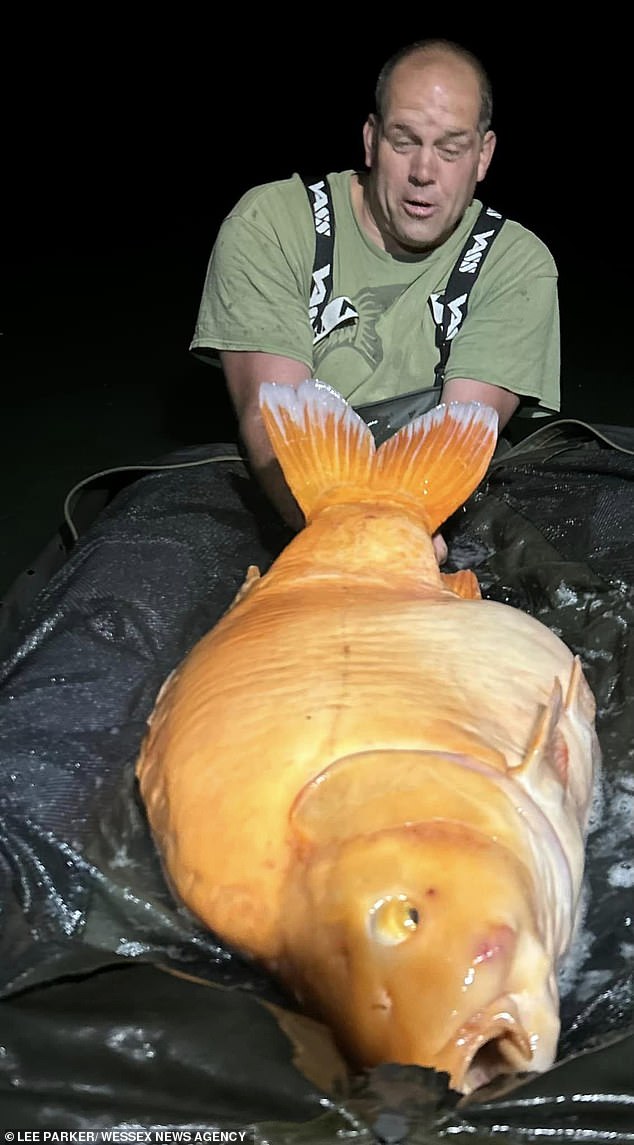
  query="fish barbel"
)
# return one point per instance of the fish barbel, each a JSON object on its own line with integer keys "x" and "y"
{"x": 372, "y": 780}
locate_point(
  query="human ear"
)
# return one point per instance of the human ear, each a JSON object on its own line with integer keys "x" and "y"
{"x": 370, "y": 133}
{"x": 486, "y": 154}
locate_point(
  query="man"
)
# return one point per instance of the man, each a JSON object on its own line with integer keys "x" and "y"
{"x": 399, "y": 229}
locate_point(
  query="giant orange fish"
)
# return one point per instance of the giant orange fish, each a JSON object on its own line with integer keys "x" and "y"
{"x": 372, "y": 780}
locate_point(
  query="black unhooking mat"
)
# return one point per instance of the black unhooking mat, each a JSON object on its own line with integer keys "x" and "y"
{"x": 119, "y": 1015}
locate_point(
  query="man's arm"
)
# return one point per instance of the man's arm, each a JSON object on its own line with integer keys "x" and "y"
{"x": 245, "y": 370}
{"x": 466, "y": 390}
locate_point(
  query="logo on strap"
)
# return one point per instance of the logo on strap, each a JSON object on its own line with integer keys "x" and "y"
{"x": 454, "y": 306}
{"x": 320, "y": 288}
{"x": 335, "y": 313}
{"x": 320, "y": 208}
{"x": 469, "y": 264}
{"x": 325, "y": 315}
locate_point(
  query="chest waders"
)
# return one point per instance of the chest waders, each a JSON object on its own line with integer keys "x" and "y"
{"x": 449, "y": 310}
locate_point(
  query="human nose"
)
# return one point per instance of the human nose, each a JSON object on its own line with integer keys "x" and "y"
{"x": 422, "y": 166}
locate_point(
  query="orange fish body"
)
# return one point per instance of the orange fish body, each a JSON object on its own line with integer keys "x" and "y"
{"x": 369, "y": 778}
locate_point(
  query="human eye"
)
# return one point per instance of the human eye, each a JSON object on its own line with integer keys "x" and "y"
{"x": 400, "y": 138}
{"x": 451, "y": 149}
{"x": 401, "y": 142}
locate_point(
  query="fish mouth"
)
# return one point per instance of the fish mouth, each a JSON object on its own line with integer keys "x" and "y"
{"x": 491, "y": 1043}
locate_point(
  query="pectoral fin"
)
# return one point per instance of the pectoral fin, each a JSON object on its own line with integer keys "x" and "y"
{"x": 463, "y": 583}
{"x": 579, "y": 698}
{"x": 547, "y": 746}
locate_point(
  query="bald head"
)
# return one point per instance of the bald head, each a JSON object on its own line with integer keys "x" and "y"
{"x": 446, "y": 58}
{"x": 426, "y": 147}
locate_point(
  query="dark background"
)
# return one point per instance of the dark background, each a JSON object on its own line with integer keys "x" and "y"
{"x": 130, "y": 145}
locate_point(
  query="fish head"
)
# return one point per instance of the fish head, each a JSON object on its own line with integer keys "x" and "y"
{"x": 413, "y": 944}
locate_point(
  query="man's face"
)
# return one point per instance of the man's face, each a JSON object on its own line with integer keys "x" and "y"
{"x": 426, "y": 155}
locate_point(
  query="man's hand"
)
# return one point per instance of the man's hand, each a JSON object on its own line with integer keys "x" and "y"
{"x": 440, "y": 548}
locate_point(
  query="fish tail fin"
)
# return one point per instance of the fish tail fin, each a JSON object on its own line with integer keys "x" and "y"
{"x": 441, "y": 457}
{"x": 328, "y": 454}
{"x": 321, "y": 444}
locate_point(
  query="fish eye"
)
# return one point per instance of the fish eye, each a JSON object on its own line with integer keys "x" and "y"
{"x": 393, "y": 919}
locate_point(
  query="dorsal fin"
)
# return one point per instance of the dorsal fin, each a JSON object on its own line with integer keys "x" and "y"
{"x": 252, "y": 577}
{"x": 328, "y": 455}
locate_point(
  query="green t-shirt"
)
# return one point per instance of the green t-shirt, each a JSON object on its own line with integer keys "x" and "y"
{"x": 257, "y": 291}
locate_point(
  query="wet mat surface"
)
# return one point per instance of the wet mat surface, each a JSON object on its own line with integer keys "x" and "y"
{"x": 95, "y": 1032}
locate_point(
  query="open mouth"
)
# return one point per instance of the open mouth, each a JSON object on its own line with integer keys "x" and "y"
{"x": 491, "y": 1043}
{"x": 419, "y": 208}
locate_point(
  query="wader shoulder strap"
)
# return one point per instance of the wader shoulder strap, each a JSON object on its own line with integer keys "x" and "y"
{"x": 449, "y": 310}
{"x": 324, "y": 218}
{"x": 325, "y": 312}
